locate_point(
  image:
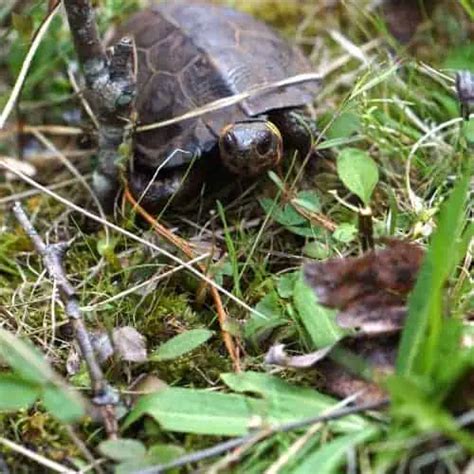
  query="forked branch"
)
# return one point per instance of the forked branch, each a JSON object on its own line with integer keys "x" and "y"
{"x": 53, "y": 259}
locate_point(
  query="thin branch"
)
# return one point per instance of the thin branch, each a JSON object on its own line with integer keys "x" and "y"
{"x": 110, "y": 82}
{"x": 53, "y": 256}
{"x": 250, "y": 438}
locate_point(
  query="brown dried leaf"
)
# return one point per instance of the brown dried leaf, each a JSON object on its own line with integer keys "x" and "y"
{"x": 370, "y": 291}
{"x": 379, "y": 354}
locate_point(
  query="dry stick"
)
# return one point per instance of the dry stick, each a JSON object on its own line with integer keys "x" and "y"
{"x": 184, "y": 246}
{"x": 53, "y": 254}
{"x": 38, "y": 458}
{"x": 110, "y": 86}
{"x": 284, "y": 428}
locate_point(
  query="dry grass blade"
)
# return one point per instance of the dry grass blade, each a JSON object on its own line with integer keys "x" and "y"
{"x": 134, "y": 237}
{"x": 184, "y": 246}
{"x": 26, "y": 64}
{"x": 45, "y": 462}
{"x": 233, "y": 99}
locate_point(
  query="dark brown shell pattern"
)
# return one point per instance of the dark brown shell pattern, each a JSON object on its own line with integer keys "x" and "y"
{"x": 193, "y": 54}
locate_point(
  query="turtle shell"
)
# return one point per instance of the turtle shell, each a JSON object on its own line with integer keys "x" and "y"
{"x": 193, "y": 54}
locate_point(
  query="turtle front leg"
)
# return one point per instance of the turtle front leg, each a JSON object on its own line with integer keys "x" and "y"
{"x": 298, "y": 130}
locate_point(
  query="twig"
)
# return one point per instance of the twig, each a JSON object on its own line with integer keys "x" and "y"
{"x": 184, "y": 246}
{"x": 45, "y": 462}
{"x": 110, "y": 85}
{"x": 284, "y": 428}
{"x": 53, "y": 254}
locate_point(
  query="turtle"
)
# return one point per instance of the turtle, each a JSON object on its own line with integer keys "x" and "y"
{"x": 191, "y": 54}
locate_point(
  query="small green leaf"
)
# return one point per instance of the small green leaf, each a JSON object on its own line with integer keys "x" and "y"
{"x": 358, "y": 172}
{"x": 122, "y": 449}
{"x": 319, "y": 321}
{"x": 181, "y": 344}
{"x": 309, "y": 200}
{"x": 286, "y": 284}
{"x": 345, "y": 232}
{"x": 317, "y": 250}
{"x": 271, "y": 307}
{"x": 16, "y": 393}
{"x": 286, "y": 215}
{"x": 345, "y": 125}
{"x": 63, "y": 403}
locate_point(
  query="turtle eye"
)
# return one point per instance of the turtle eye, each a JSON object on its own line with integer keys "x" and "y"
{"x": 228, "y": 142}
{"x": 264, "y": 143}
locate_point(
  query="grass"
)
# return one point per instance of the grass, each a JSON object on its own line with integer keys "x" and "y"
{"x": 400, "y": 115}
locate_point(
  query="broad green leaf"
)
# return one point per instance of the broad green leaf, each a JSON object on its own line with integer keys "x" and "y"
{"x": 122, "y": 449}
{"x": 318, "y": 320}
{"x": 330, "y": 457}
{"x": 24, "y": 358}
{"x": 420, "y": 337}
{"x": 17, "y": 393}
{"x": 358, "y": 172}
{"x": 181, "y": 344}
{"x": 287, "y": 401}
{"x": 63, "y": 403}
{"x": 199, "y": 411}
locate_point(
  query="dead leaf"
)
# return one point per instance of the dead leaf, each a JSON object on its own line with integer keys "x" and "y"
{"x": 129, "y": 344}
{"x": 277, "y": 355}
{"x": 379, "y": 354}
{"x": 371, "y": 290}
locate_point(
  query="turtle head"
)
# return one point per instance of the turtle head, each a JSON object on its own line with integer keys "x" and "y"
{"x": 249, "y": 148}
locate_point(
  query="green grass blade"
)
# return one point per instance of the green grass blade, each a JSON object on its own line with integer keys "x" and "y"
{"x": 423, "y": 325}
